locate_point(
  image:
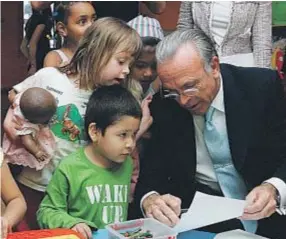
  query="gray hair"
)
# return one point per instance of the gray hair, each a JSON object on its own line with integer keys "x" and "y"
{"x": 168, "y": 47}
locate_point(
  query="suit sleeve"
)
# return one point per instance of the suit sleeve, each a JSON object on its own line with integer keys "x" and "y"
{"x": 151, "y": 154}
{"x": 165, "y": 158}
{"x": 276, "y": 121}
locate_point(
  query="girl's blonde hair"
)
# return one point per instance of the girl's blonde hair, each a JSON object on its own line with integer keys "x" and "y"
{"x": 134, "y": 87}
{"x": 101, "y": 41}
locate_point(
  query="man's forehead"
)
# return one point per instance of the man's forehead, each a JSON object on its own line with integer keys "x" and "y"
{"x": 184, "y": 60}
{"x": 186, "y": 55}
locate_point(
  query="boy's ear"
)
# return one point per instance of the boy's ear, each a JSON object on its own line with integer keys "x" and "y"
{"x": 61, "y": 28}
{"x": 93, "y": 132}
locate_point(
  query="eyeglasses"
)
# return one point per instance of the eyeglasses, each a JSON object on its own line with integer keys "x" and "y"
{"x": 168, "y": 94}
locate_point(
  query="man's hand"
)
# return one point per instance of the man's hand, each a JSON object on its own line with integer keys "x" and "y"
{"x": 83, "y": 229}
{"x": 165, "y": 208}
{"x": 260, "y": 202}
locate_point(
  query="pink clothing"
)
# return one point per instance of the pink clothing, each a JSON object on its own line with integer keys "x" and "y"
{"x": 15, "y": 152}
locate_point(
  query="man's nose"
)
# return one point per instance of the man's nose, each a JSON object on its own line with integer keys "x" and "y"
{"x": 183, "y": 100}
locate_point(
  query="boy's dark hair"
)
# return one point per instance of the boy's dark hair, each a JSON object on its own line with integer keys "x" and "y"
{"x": 150, "y": 41}
{"x": 108, "y": 104}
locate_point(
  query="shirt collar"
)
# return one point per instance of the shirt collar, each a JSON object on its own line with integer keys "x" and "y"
{"x": 218, "y": 102}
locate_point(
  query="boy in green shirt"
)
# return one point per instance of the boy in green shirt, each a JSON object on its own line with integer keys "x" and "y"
{"x": 90, "y": 188}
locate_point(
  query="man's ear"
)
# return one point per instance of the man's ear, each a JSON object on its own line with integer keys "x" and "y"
{"x": 93, "y": 132}
{"x": 61, "y": 29}
{"x": 215, "y": 67}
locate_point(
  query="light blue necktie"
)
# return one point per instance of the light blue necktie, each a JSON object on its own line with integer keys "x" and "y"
{"x": 231, "y": 183}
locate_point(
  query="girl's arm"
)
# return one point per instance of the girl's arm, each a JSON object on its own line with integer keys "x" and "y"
{"x": 52, "y": 59}
{"x": 12, "y": 197}
{"x": 32, "y": 146}
{"x": 147, "y": 119}
{"x": 33, "y": 47}
{"x": 262, "y": 35}
{"x": 10, "y": 126}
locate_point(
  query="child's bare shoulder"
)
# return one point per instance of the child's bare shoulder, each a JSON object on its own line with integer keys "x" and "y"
{"x": 52, "y": 59}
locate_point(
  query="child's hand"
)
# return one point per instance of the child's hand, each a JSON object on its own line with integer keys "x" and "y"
{"x": 147, "y": 119}
{"x": 11, "y": 96}
{"x": 83, "y": 229}
{"x": 5, "y": 228}
{"x": 41, "y": 156}
{"x": 32, "y": 69}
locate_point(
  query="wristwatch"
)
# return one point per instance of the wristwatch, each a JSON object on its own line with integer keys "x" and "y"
{"x": 280, "y": 195}
{"x": 279, "y": 208}
{"x": 278, "y": 199}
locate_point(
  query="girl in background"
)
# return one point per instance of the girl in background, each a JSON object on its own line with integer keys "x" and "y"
{"x": 72, "y": 19}
{"x": 37, "y": 28}
{"x": 145, "y": 67}
{"x": 103, "y": 57}
{"x": 143, "y": 81}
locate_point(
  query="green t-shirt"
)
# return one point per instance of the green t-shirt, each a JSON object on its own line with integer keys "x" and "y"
{"x": 81, "y": 191}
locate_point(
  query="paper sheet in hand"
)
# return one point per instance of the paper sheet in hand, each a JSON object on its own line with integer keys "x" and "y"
{"x": 206, "y": 209}
{"x": 237, "y": 234}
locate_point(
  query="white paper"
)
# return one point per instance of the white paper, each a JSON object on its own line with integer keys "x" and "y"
{"x": 237, "y": 234}
{"x": 206, "y": 210}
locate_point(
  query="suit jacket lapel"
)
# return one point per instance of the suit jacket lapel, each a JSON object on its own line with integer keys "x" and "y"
{"x": 238, "y": 117}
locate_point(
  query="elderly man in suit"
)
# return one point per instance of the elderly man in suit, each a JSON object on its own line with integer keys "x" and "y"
{"x": 218, "y": 129}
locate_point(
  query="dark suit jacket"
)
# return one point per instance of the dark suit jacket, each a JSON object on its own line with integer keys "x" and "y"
{"x": 255, "y": 117}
